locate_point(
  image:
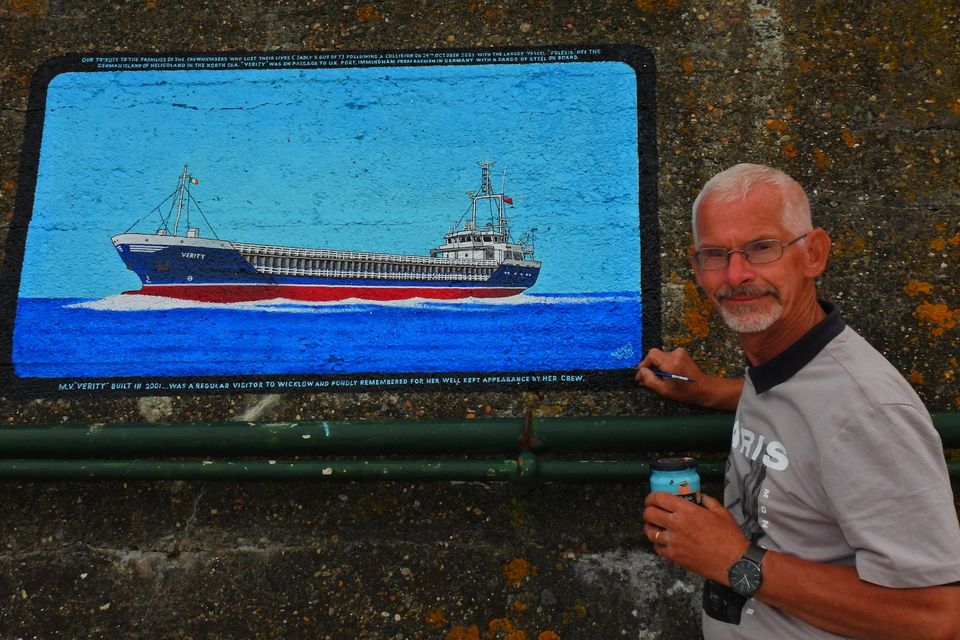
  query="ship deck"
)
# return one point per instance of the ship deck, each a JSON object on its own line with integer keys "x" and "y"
{"x": 332, "y": 263}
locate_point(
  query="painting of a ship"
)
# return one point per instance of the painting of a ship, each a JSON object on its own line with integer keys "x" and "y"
{"x": 474, "y": 261}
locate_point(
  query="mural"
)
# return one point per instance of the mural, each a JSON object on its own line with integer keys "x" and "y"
{"x": 338, "y": 221}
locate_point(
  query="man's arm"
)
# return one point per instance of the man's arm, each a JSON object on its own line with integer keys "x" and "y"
{"x": 834, "y": 598}
{"x": 712, "y": 392}
{"x": 707, "y": 541}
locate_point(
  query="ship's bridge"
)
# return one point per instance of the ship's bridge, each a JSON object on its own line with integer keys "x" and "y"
{"x": 475, "y": 235}
{"x": 482, "y": 250}
{"x": 480, "y": 244}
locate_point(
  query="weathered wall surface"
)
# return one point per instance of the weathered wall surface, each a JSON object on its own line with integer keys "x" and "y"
{"x": 859, "y": 101}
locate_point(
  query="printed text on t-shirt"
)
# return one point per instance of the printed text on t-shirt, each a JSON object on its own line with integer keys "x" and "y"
{"x": 751, "y": 445}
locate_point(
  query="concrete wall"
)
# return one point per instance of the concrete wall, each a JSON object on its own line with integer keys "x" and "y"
{"x": 859, "y": 101}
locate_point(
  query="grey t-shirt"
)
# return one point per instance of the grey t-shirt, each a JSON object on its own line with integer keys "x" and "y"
{"x": 834, "y": 459}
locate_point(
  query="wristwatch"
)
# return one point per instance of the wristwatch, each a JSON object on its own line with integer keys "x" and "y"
{"x": 745, "y": 575}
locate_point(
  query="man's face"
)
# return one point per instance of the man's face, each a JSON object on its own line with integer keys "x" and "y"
{"x": 750, "y": 297}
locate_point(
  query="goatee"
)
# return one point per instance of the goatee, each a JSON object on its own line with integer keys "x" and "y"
{"x": 750, "y": 317}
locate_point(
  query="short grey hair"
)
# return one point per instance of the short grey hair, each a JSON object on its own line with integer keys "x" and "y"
{"x": 736, "y": 182}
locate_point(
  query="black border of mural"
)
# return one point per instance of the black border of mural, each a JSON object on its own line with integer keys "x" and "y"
{"x": 639, "y": 58}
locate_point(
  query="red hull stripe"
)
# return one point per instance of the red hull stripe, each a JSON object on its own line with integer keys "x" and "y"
{"x": 249, "y": 293}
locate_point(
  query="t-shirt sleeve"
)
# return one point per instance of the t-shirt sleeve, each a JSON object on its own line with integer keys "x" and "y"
{"x": 897, "y": 511}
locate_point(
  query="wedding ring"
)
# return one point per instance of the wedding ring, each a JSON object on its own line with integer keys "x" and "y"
{"x": 656, "y": 538}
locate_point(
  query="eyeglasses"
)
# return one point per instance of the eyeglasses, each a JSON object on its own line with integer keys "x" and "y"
{"x": 756, "y": 252}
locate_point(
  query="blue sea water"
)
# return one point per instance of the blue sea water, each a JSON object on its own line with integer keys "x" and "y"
{"x": 375, "y": 159}
{"x": 141, "y": 336}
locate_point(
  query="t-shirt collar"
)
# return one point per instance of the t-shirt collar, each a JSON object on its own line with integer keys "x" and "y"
{"x": 784, "y": 365}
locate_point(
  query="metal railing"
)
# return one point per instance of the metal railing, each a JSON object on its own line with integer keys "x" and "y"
{"x": 371, "y": 275}
{"x": 246, "y": 249}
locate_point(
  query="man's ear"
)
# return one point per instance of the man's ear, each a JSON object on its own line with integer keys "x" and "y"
{"x": 817, "y": 247}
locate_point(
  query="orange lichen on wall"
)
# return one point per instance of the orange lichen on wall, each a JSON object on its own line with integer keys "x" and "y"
{"x": 917, "y": 287}
{"x": 821, "y": 159}
{"x": 696, "y": 310}
{"x": 32, "y": 8}
{"x": 516, "y": 570}
{"x": 780, "y": 126}
{"x": 367, "y": 12}
{"x": 653, "y": 5}
{"x": 687, "y": 65}
{"x": 436, "y": 618}
{"x": 578, "y": 611}
{"x": 940, "y": 315}
{"x": 503, "y": 629}
{"x": 849, "y": 138}
{"x": 916, "y": 377}
{"x": 938, "y": 244}
{"x": 463, "y": 633}
{"x": 790, "y": 150}
{"x": 497, "y": 629}
{"x": 485, "y": 10}
{"x": 840, "y": 247}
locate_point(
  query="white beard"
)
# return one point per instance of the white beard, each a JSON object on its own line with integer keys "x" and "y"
{"x": 748, "y": 319}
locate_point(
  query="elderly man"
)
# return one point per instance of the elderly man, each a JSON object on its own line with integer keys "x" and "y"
{"x": 838, "y": 518}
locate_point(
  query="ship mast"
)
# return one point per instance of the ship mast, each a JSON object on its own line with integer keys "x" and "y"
{"x": 182, "y": 189}
{"x": 487, "y": 193}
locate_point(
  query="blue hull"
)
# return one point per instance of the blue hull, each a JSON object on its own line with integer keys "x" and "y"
{"x": 215, "y": 271}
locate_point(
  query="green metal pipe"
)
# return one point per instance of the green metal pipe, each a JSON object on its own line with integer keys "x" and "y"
{"x": 416, "y": 470}
{"x": 711, "y": 432}
{"x": 633, "y": 433}
{"x": 526, "y": 469}
{"x": 948, "y": 425}
{"x": 27, "y": 450}
{"x": 541, "y": 435}
{"x": 613, "y": 471}
{"x": 260, "y": 439}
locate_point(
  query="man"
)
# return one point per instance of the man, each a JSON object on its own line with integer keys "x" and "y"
{"x": 838, "y": 517}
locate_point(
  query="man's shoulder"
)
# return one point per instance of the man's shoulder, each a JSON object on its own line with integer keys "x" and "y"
{"x": 855, "y": 366}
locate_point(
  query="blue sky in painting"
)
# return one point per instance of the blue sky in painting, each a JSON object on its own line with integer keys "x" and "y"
{"x": 375, "y": 159}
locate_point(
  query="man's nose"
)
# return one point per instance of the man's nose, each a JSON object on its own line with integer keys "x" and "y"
{"x": 738, "y": 269}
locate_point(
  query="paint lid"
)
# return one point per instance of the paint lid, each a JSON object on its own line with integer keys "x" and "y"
{"x": 673, "y": 464}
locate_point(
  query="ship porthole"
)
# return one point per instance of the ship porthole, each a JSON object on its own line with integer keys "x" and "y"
{"x": 189, "y": 278}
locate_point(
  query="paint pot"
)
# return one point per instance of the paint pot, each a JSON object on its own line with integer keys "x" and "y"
{"x": 676, "y": 475}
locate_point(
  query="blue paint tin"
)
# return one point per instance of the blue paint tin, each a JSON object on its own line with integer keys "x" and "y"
{"x": 676, "y": 475}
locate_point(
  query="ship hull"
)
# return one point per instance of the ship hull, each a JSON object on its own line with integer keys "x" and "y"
{"x": 227, "y": 293}
{"x": 206, "y": 270}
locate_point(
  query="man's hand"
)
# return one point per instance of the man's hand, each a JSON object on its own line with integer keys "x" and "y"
{"x": 703, "y": 539}
{"x": 712, "y": 392}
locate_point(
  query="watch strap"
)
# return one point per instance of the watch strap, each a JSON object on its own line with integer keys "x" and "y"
{"x": 755, "y": 553}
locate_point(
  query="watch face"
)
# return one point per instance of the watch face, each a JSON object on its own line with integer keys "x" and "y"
{"x": 744, "y": 577}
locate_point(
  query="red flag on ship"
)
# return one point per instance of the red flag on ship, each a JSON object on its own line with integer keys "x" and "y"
{"x": 194, "y": 180}
{"x": 508, "y": 199}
